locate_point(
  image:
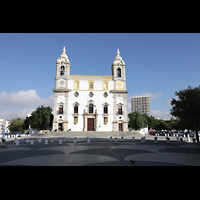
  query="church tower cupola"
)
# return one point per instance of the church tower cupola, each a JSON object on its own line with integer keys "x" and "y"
{"x": 118, "y": 72}
{"x": 62, "y": 70}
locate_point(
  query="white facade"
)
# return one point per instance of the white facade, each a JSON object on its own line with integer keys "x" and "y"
{"x": 90, "y": 102}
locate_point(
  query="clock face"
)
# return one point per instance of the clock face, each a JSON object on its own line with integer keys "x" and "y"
{"x": 119, "y": 84}
{"x": 61, "y": 82}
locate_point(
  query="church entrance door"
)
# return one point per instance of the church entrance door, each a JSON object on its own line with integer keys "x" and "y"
{"x": 90, "y": 124}
{"x": 120, "y": 127}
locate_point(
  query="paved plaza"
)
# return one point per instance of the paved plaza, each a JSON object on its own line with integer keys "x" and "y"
{"x": 99, "y": 152}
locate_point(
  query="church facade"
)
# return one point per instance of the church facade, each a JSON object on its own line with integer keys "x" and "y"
{"x": 90, "y": 102}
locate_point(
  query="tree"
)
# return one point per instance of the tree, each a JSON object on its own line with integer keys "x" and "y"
{"x": 16, "y": 125}
{"x": 152, "y": 121}
{"x": 187, "y": 107}
{"x": 136, "y": 120}
{"x": 41, "y": 118}
{"x": 162, "y": 125}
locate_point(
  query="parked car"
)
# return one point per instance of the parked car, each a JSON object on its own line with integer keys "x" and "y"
{"x": 152, "y": 133}
{"x": 164, "y": 133}
{"x": 157, "y": 133}
{"x": 17, "y": 134}
{"x": 181, "y": 133}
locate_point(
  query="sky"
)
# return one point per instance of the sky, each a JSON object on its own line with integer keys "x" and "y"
{"x": 157, "y": 64}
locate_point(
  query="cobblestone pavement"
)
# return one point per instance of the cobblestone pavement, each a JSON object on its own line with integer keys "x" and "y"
{"x": 100, "y": 152}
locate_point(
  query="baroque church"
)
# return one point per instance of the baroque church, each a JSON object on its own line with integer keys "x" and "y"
{"x": 90, "y": 102}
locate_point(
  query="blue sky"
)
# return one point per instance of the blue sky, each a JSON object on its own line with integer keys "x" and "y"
{"x": 157, "y": 64}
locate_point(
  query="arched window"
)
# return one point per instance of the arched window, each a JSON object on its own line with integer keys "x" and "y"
{"x": 118, "y": 72}
{"x": 91, "y": 108}
{"x": 60, "y": 109}
{"x": 76, "y": 108}
{"x": 62, "y": 72}
{"x": 105, "y": 109}
{"x": 120, "y": 110}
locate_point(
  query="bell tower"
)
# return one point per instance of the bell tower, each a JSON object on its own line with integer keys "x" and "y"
{"x": 61, "y": 92}
{"x": 120, "y": 120}
{"x": 118, "y": 72}
{"x": 62, "y": 70}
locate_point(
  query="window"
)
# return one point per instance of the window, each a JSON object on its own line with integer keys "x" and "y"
{"x": 75, "y": 120}
{"x": 105, "y": 85}
{"x": 76, "y": 94}
{"x": 105, "y": 120}
{"x": 62, "y": 72}
{"x": 120, "y": 110}
{"x": 91, "y": 85}
{"x": 60, "y": 109}
{"x": 76, "y": 108}
{"x": 118, "y": 72}
{"x": 91, "y": 108}
{"x": 76, "y": 85}
{"x": 105, "y": 109}
{"x": 91, "y": 94}
{"x": 105, "y": 94}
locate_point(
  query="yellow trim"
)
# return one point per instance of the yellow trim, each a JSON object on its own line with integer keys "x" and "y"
{"x": 92, "y": 90}
{"x": 94, "y": 77}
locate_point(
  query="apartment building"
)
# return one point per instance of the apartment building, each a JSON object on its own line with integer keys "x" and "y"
{"x": 141, "y": 104}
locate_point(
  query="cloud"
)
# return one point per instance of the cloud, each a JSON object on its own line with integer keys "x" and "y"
{"x": 19, "y": 104}
{"x": 162, "y": 114}
{"x": 24, "y": 98}
{"x": 168, "y": 102}
{"x": 152, "y": 96}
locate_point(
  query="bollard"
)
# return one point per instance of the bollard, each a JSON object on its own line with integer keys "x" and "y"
{"x": 75, "y": 139}
{"x": 110, "y": 139}
{"x": 133, "y": 138}
{"x": 188, "y": 138}
{"x": 142, "y": 140}
{"x": 194, "y": 139}
{"x": 155, "y": 139}
{"x": 115, "y": 140}
{"x": 17, "y": 142}
{"x": 60, "y": 141}
{"x": 31, "y": 142}
{"x": 88, "y": 140}
{"x": 39, "y": 139}
{"x": 64, "y": 139}
{"x": 51, "y": 139}
{"x": 46, "y": 141}
{"x": 168, "y": 140}
{"x": 122, "y": 138}
{"x": 27, "y": 140}
{"x": 2, "y": 142}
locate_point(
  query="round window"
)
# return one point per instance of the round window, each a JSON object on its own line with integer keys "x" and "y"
{"x": 105, "y": 94}
{"x": 76, "y": 94}
{"x": 91, "y": 94}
